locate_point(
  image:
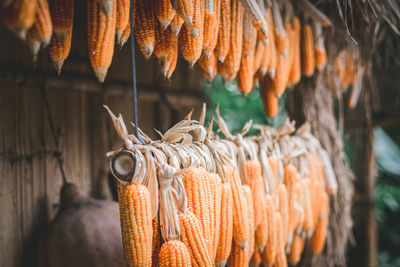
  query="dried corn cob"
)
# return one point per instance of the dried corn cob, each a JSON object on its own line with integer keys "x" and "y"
{"x": 261, "y": 235}
{"x": 232, "y": 62}
{"x": 136, "y": 224}
{"x": 269, "y": 97}
{"x": 174, "y": 253}
{"x": 280, "y": 260}
{"x": 125, "y": 36}
{"x": 145, "y": 24}
{"x": 211, "y": 25}
{"x": 224, "y": 31}
{"x": 240, "y": 218}
{"x": 176, "y": 24}
{"x": 192, "y": 237}
{"x": 191, "y": 46}
{"x": 320, "y": 52}
{"x": 281, "y": 36}
{"x": 39, "y": 35}
{"x": 216, "y": 190}
{"x": 246, "y": 71}
{"x": 62, "y": 14}
{"x": 295, "y": 72}
{"x": 195, "y": 181}
{"x": 156, "y": 242}
{"x": 308, "y": 218}
{"x": 258, "y": 55}
{"x": 208, "y": 66}
{"x": 272, "y": 57}
{"x": 319, "y": 235}
{"x": 284, "y": 212}
{"x": 164, "y": 12}
{"x": 101, "y": 36}
{"x": 256, "y": 184}
{"x": 165, "y": 39}
{"x": 239, "y": 257}
{"x": 226, "y": 226}
{"x": 186, "y": 9}
{"x": 307, "y": 50}
{"x": 252, "y": 227}
{"x": 255, "y": 260}
{"x": 19, "y": 16}
{"x": 171, "y": 60}
{"x": 122, "y": 17}
{"x": 257, "y": 17}
{"x": 269, "y": 253}
{"x": 273, "y": 163}
{"x": 296, "y": 248}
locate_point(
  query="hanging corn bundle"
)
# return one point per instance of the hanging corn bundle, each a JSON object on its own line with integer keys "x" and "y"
{"x": 235, "y": 200}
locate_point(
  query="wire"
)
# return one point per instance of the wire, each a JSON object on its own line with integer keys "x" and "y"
{"x": 135, "y": 103}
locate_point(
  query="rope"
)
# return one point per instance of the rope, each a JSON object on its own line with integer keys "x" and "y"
{"x": 135, "y": 103}
{"x": 58, "y": 155}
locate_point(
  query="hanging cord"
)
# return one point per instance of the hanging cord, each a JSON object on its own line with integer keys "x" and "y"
{"x": 57, "y": 155}
{"x": 135, "y": 104}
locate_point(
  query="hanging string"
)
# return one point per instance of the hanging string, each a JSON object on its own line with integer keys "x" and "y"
{"x": 135, "y": 104}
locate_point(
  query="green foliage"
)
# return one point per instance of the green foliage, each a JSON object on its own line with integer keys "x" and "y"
{"x": 237, "y": 110}
{"x": 387, "y": 197}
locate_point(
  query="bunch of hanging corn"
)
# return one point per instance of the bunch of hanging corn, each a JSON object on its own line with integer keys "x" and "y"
{"x": 234, "y": 201}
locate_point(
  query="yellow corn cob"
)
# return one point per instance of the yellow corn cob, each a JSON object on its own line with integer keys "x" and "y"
{"x": 164, "y": 12}
{"x": 191, "y": 46}
{"x": 122, "y": 17}
{"x": 174, "y": 254}
{"x": 294, "y": 213}
{"x": 259, "y": 55}
{"x": 39, "y": 35}
{"x": 291, "y": 50}
{"x": 255, "y": 260}
{"x": 261, "y": 235}
{"x": 192, "y": 237}
{"x": 319, "y": 235}
{"x": 125, "y": 36}
{"x": 295, "y": 72}
{"x": 62, "y": 14}
{"x": 145, "y": 24}
{"x": 232, "y": 61}
{"x": 240, "y": 218}
{"x": 101, "y": 36}
{"x": 273, "y": 59}
{"x": 156, "y": 242}
{"x": 226, "y": 226}
{"x": 164, "y": 40}
{"x": 239, "y": 257}
{"x": 269, "y": 96}
{"x": 269, "y": 253}
{"x": 280, "y": 260}
{"x": 224, "y": 31}
{"x": 256, "y": 184}
{"x": 250, "y": 209}
{"x": 246, "y": 71}
{"x": 257, "y": 17}
{"x": 307, "y": 50}
{"x": 296, "y": 249}
{"x": 308, "y": 217}
{"x": 290, "y": 180}
{"x": 284, "y": 211}
{"x": 176, "y": 24}
{"x": 186, "y": 10}
{"x": 273, "y": 163}
{"x": 216, "y": 191}
{"x": 211, "y": 24}
{"x": 171, "y": 60}
{"x": 195, "y": 181}
{"x": 208, "y": 66}
{"x": 320, "y": 57}
{"x": 136, "y": 224}
{"x": 19, "y": 16}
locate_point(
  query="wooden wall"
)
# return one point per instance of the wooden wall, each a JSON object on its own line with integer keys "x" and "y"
{"x": 30, "y": 180}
